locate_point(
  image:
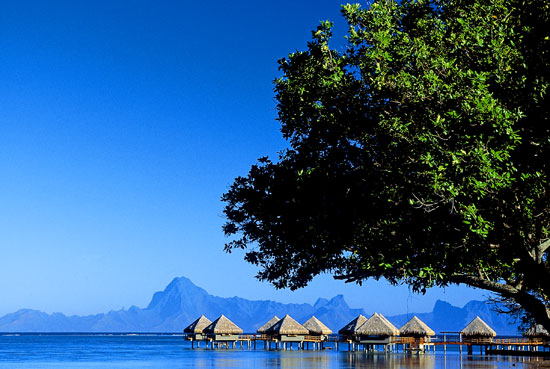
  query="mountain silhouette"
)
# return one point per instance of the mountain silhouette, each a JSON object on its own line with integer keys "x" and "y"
{"x": 181, "y": 302}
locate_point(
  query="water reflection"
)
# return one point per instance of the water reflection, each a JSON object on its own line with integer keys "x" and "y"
{"x": 360, "y": 360}
{"x": 174, "y": 353}
{"x": 394, "y": 361}
{"x": 301, "y": 361}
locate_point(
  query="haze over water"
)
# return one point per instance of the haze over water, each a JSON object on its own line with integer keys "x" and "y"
{"x": 29, "y": 351}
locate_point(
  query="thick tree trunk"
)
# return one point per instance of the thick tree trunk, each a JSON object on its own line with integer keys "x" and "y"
{"x": 536, "y": 308}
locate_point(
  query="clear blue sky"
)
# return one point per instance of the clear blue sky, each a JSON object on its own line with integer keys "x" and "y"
{"x": 122, "y": 123}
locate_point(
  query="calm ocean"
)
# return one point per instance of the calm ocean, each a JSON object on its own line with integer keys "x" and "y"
{"x": 29, "y": 351}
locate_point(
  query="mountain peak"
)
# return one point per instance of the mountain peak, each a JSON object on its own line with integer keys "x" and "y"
{"x": 335, "y": 303}
{"x": 338, "y": 301}
{"x": 179, "y": 288}
{"x": 181, "y": 302}
{"x": 440, "y": 304}
{"x": 320, "y": 303}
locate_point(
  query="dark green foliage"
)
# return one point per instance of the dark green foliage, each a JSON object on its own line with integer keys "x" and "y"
{"x": 420, "y": 154}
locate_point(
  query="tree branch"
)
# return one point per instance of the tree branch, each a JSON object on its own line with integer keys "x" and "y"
{"x": 486, "y": 284}
{"x": 542, "y": 248}
{"x": 534, "y": 306}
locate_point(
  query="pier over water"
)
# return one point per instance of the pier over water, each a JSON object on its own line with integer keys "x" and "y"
{"x": 376, "y": 334}
{"x": 516, "y": 346}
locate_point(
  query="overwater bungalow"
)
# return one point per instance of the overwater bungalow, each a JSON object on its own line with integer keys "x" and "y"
{"x": 537, "y": 333}
{"x": 268, "y": 325}
{"x": 316, "y": 328}
{"x": 195, "y": 331}
{"x": 375, "y": 333}
{"x": 377, "y": 330}
{"x": 349, "y": 331}
{"x": 418, "y": 333}
{"x": 223, "y": 329}
{"x": 287, "y": 330}
{"x": 477, "y": 332}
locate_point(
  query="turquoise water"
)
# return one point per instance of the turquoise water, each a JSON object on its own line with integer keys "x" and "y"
{"x": 23, "y": 352}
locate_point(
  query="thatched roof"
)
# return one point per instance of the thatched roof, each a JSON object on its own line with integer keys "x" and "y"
{"x": 351, "y": 327}
{"x": 536, "y": 331}
{"x": 385, "y": 319}
{"x": 315, "y": 326}
{"x": 287, "y": 325}
{"x": 478, "y": 327}
{"x": 222, "y": 325}
{"x": 198, "y": 325}
{"x": 416, "y": 327}
{"x": 377, "y": 325}
{"x": 268, "y": 325}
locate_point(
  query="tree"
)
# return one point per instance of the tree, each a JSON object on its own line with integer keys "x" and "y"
{"x": 419, "y": 153}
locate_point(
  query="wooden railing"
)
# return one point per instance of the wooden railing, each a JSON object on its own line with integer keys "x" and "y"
{"x": 313, "y": 338}
{"x": 410, "y": 340}
{"x": 518, "y": 341}
{"x": 448, "y": 339}
{"x": 247, "y": 337}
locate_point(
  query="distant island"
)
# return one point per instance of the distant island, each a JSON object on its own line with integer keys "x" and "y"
{"x": 181, "y": 302}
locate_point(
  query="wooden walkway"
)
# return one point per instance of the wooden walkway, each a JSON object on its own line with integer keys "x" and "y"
{"x": 502, "y": 346}
{"x": 497, "y": 346}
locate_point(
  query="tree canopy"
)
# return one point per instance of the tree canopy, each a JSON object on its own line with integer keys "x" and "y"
{"x": 419, "y": 152}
